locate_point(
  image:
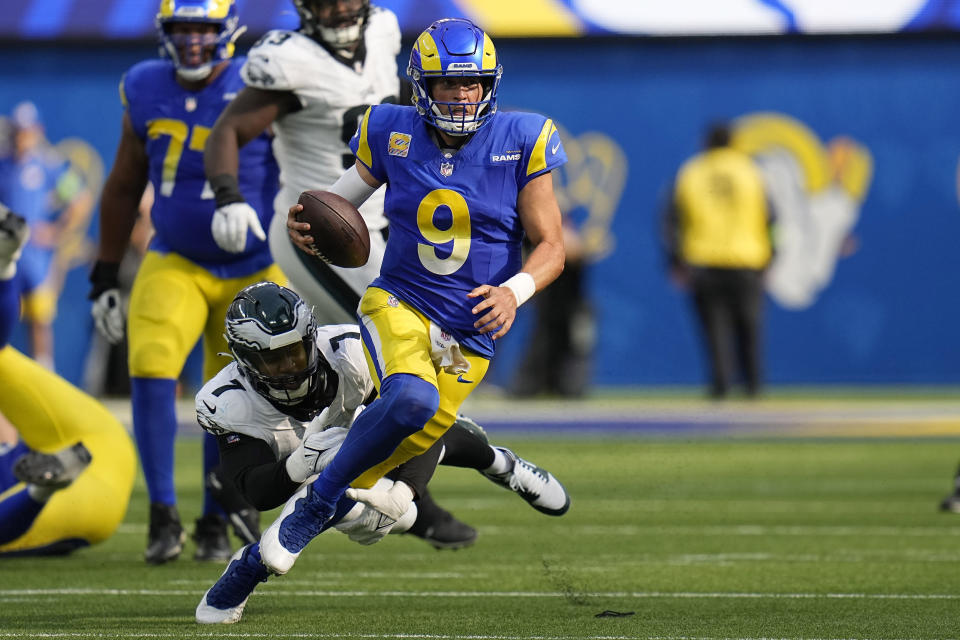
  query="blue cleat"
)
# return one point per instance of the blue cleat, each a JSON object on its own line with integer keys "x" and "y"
{"x": 223, "y": 603}
{"x": 302, "y": 520}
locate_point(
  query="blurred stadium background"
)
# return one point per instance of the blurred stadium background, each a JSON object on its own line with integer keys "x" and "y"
{"x": 746, "y": 522}
{"x": 633, "y": 84}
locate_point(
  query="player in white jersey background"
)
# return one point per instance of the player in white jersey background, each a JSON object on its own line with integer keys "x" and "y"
{"x": 312, "y": 87}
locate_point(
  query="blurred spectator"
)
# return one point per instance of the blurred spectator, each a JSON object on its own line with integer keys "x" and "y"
{"x": 717, "y": 231}
{"x": 37, "y": 182}
{"x": 557, "y": 360}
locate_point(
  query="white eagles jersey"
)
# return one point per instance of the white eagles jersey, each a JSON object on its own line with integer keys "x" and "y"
{"x": 228, "y": 403}
{"x": 310, "y": 145}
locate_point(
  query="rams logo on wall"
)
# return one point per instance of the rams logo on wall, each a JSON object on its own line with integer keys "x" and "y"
{"x": 589, "y": 187}
{"x": 816, "y": 191}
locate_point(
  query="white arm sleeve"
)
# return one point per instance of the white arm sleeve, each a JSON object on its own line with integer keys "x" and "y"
{"x": 352, "y": 187}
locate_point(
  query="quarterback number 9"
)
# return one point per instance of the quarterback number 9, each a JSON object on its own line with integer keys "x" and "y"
{"x": 458, "y": 232}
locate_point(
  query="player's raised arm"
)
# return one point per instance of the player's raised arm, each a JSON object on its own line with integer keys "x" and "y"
{"x": 246, "y": 117}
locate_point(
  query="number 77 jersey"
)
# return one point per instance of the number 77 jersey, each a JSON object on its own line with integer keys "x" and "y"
{"x": 173, "y": 124}
{"x": 453, "y": 216}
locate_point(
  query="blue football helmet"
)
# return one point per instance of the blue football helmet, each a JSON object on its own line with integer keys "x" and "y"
{"x": 191, "y": 62}
{"x": 454, "y": 48}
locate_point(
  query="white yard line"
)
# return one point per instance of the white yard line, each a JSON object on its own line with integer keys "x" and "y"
{"x": 493, "y": 594}
{"x": 401, "y": 636}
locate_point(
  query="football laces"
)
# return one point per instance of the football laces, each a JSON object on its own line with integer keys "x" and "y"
{"x": 318, "y": 253}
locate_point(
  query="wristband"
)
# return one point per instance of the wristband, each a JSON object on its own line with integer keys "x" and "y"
{"x": 225, "y": 189}
{"x": 105, "y": 275}
{"x": 522, "y": 285}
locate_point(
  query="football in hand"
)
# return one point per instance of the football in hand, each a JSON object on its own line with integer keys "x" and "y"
{"x": 340, "y": 235}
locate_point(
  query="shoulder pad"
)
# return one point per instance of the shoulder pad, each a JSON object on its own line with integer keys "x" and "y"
{"x": 284, "y": 61}
{"x": 345, "y": 356}
{"x": 143, "y": 79}
{"x": 383, "y": 26}
{"x": 541, "y": 141}
{"x": 222, "y": 402}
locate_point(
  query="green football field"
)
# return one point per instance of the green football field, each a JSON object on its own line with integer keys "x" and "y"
{"x": 690, "y": 537}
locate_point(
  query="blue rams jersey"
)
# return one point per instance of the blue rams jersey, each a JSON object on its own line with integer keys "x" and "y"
{"x": 174, "y": 124}
{"x": 28, "y": 185}
{"x": 453, "y": 217}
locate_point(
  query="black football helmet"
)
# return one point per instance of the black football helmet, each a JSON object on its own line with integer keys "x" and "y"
{"x": 339, "y": 31}
{"x": 271, "y": 333}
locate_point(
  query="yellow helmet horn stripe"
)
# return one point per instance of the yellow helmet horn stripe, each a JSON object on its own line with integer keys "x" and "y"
{"x": 489, "y": 56}
{"x": 429, "y": 55}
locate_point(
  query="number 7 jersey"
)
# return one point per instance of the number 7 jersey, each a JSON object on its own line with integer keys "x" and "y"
{"x": 454, "y": 223}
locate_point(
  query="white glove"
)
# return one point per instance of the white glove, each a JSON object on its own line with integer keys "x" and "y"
{"x": 107, "y": 315}
{"x": 393, "y": 502}
{"x": 314, "y": 453}
{"x": 230, "y": 225}
{"x": 370, "y": 526}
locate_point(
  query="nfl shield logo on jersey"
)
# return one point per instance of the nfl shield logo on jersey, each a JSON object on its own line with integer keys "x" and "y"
{"x": 399, "y": 144}
{"x": 446, "y": 169}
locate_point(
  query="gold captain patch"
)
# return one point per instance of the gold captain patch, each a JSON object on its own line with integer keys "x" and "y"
{"x": 399, "y": 144}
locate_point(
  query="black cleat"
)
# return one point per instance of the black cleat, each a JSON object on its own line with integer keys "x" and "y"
{"x": 245, "y": 524}
{"x": 471, "y": 426}
{"x": 210, "y": 534}
{"x": 952, "y": 501}
{"x": 439, "y": 528}
{"x": 166, "y": 535}
{"x": 243, "y": 517}
{"x": 53, "y": 470}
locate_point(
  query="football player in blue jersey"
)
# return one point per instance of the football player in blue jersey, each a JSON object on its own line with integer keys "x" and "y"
{"x": 464, "y": 185}
{"x": 311, "y": 86}
{"x": 186, "y": 281}
{"x": 67, "y": 468}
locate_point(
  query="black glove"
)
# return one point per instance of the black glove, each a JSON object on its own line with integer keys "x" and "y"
{"x": 105, "y": 275}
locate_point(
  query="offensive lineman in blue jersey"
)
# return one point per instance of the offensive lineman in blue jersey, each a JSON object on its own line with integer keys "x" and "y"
{"x": 464, "y": 185}
{"x": 186, "y": 281}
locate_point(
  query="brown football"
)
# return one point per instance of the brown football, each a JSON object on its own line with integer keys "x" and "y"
{"x": 340, "y": 236}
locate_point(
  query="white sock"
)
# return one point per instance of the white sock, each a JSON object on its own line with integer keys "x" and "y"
{"x": 501, "y": 463}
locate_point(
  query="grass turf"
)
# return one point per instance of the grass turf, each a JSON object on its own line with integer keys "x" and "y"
{"x": 700, "y": 538}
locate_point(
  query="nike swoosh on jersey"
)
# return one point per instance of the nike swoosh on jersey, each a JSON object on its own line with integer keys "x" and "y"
{"x": 555, "y": 147}
{"x": 209, "y": 408}
{"x": 460, "y": 378}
